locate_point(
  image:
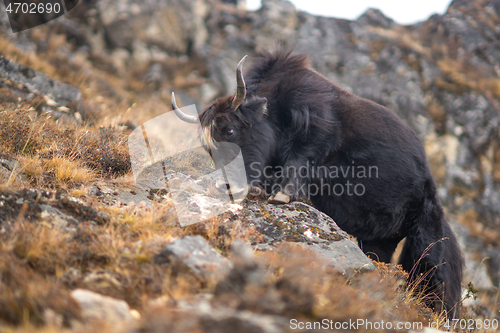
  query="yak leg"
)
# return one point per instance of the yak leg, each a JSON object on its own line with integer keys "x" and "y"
{"x": 379, "y": 249}
{"x": 292, "y": 185}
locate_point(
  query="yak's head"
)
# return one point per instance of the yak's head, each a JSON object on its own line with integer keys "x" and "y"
{"x": 239, "y": 119}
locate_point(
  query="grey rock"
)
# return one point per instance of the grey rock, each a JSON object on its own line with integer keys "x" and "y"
{"x": 241, "y": 251}
{"x": 294, "y": 222}
{"x": 246, "y": 271}
{"x": 476, "y": 263}
{"x": 97, "y": 307}
{"x": 298, "y": 222}
{"x": 344, "y": 255}
{"x": 57, "y": 218}
{"x": 221, "y": 319}
{"x": 10, "y": 170}
{"x": 10, "y": 164}
{"x": 492, "y": 260}
{"x": 126, "y": 22}
{"x": 22, "y": 40}
{"x": 196, "y": 254}
{"x": 4, "y": 19}
{"x": 474, "y": 308}
{"x": 475, "y": 34}
{"x": 477, "y": 119}
{"x": 488, "y": 204}
{"x": 140, "y": 194}
{"x": 39, "y": 83}
{"x": 5, "y": 174}
{"x": 64, "y": 211}
{"x": 374, "y": 17}
{"x": 228, "y": 321}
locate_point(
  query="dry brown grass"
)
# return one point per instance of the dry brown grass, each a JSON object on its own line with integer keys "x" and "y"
{"x": 115, "y": 259}
{"x": 69, "y": 170}
{"x": 40, "y": 262}
{"x": 459, "y": 76}
{"x": 54, "y": 156}
{"x": 9, "y": 51}
{"x": 403, "y": 36}
{"x": 298, "y": 284}
{"x": 25, "y": 294}
{"x": 372, "y": 296}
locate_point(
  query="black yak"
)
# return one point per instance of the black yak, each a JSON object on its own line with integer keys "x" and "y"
{"x": 355, "y": 160}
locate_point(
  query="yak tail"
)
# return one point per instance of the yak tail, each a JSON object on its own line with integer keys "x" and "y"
{"x": 433, "y": 259}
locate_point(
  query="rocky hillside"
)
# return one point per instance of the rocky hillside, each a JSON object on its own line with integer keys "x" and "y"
{"x": 74, "y": 227}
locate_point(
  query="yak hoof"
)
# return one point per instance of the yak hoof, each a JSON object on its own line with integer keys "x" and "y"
{"x": 279, "y": 198}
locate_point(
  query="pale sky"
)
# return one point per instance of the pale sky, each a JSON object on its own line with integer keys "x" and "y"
{"x": 401, "y": 11}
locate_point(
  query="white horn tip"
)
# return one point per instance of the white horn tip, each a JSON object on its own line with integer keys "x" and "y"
{"x": 173, "y": 99}
{"x": 242, "y": 60}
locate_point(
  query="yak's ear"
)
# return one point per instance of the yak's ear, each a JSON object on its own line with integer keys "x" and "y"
{"x": 256, "y": 105}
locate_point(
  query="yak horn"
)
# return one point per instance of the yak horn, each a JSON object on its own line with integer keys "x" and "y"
{"x": 182, "y": 116}
{"x": 241, "y": 90}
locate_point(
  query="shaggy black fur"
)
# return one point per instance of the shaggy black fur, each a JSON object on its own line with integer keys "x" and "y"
{"x": 293, "y": 117}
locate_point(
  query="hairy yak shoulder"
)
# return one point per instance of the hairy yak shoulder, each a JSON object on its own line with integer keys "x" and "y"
{"x": 362, "y": 118}
{"x": 297, "y": 95}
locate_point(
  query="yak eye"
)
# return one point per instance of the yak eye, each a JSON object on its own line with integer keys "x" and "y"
{"x": 230, "y": 132}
